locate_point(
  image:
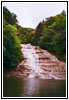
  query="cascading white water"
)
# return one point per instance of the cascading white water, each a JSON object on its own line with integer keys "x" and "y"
{"x": 38, "y": 66}
{"x": 32, "y": 59}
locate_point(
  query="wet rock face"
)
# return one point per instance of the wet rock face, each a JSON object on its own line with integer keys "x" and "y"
{"x": 39, "y": 63}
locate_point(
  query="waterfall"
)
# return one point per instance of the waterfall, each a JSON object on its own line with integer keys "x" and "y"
{"x": 32, "y": 59}
{"x": 41, "y": 63}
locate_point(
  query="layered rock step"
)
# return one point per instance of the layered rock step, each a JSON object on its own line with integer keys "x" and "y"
{"x": 46, "y": 65}
{"x": 50, "y": 64}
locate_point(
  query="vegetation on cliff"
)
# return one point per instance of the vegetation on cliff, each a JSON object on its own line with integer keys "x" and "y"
{"x": 50, "y": 34}
{"x": 11, "y": 45}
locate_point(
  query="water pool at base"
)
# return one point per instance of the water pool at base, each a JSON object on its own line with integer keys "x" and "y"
{"x": 33, "y": 87}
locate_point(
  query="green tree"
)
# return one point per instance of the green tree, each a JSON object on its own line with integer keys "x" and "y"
{"x": 51, "y": 35}
{"x": 11, "y": 50}
{"x": 9, "y": 17}
{"x": 38, "y": 32}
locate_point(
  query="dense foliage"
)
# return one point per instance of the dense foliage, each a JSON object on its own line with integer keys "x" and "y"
{"x": 51, "y": 35}
{"x": 9, "y": 17}
{"x": 11, "y": 46}
{"x": 25, "y": 34}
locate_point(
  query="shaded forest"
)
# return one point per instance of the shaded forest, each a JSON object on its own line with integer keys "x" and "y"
{"x": 50, "y": 34}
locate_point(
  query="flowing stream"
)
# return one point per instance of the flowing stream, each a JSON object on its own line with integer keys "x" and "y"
{"x": 32, "y": 60}
{"x": 41, "y": 63}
